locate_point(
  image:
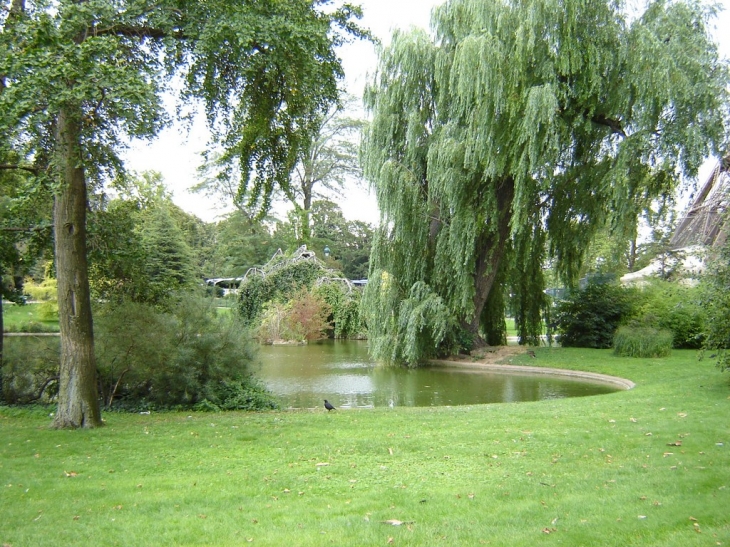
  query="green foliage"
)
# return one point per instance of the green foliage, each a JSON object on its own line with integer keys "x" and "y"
{"x": 525, "y": 122}
{"x": 240, "y": 243}
{"x": 271, "y": 326}
{"x": 631, "y": 341}
{"x": 349, "y": 242}
{"x": 180, "y": 356}
{"x": 307, "y": 316}
{"x": 424, "y": 327}
{"x": 675, "y": 307}
{"x": 246, "y": 394}
{"x": 280, "y": 280}
{"x": 715, "y": 298}
{"x": 345, "y": 304}
{"x": 169, "y": 264}
{"x": 589, "y": 318}
{"x": 30, "y": 369}
{"x": 304, "y": 317}
{"x": 138, "y": 244}
{"x": 45, "y": 291}
{"x": 26, "y": 318}
{"x": 115, "y": 252}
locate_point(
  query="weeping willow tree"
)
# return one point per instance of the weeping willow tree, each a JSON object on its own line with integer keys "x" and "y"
{"x": 507, "y": 139}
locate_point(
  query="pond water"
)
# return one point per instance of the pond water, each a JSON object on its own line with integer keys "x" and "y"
{"x": 342, "y": 372}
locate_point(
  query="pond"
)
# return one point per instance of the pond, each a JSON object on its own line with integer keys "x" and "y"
{"x": 342, "y": 372}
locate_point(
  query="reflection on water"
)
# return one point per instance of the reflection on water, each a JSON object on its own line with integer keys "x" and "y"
{"x": 341, "y": 371}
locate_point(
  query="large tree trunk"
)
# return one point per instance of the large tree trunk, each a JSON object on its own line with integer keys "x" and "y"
{"x": 490, "y": 251}
{"x": 78, "y": 402}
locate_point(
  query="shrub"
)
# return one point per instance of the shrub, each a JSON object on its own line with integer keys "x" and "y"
{"x": 271, "y": 325}
{"x": 175, "y": 357}
{"x": 642, "y": 342}
{"x": 589, "y": 318}
{"x": 281, "y": 282}
{"x": 307, "y": 316}
{"x": 246, "y": 394}
{"x": 674, "y": 307}
{"x": 345, "y": 303}
{"x": 304, "y": 317}
{"x": 715, "y": 297}
{"x": 30, "y": 369}
{"x": 46, "y": 291}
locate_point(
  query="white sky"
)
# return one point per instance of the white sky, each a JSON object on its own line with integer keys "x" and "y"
{"x": 176, "y": 153}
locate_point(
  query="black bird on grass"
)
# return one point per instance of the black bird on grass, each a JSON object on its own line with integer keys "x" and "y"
{"x": 328, "y": 405}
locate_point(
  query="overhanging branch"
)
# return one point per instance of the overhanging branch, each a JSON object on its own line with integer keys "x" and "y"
{"x": 132, "y": 31}
{"x": 13, "y": 167}
{"x": 614, "y": 125}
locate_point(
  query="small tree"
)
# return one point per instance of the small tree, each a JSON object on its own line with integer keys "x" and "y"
{"x": 589, "y": 318}
{"x": 307, "y": 317}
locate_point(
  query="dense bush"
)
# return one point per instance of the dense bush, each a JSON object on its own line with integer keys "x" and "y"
{"x": 307, "y": 316}
{"x": 178, "y": 356}
{"x": 30, "y": 369}
{"x": 589, "y": 318}
{"x": 715, "y": 298}
{"x": 303, "y": 317}
{"x": 279, "y": 284}
{"x": 642, "y": 342}
{"x": 345, "y": 304}
{"x": 676, "y": 308}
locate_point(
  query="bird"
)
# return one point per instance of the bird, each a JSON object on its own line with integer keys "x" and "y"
{"x": 531, "y": 353}
{"x": 328, "y": 405}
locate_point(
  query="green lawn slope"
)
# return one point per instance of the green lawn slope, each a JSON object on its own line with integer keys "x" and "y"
{"x": 644, "y": 467}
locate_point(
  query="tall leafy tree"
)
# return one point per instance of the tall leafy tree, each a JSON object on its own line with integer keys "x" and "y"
{"x": 326, "y": 163}
{"x": 81, "y": 76}
{"x": 510, "y": 137}
{"x": 240, "y": 243}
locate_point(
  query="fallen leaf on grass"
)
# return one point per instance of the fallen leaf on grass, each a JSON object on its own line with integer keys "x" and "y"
{"x": 675, "y": 443}
{"x": 320, "y": 464}
{"x": 682, "y": 414}
{"x": 549, "y": 530}
{"x": 390, "y": 540}
{"x": 395, "y": 522}
{"x": 71, "y": 473}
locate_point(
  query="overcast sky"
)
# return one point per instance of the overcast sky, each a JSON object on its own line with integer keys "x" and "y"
{"x": 176, "y": 154}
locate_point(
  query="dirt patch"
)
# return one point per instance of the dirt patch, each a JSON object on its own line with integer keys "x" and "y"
{"x": 491, "y": 355}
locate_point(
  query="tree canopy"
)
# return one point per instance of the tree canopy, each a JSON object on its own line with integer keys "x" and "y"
{"x": 511, "y": 136}
{"x": 78, "y": 78}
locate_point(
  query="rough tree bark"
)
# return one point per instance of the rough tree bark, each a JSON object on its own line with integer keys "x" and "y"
{"x": 490, "y": 250}
{"x": 78, "y": 402}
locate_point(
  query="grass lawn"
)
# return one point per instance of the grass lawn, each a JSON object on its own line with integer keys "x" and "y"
{"x": 645, "y": 467}
{"x": 26, "y": 319}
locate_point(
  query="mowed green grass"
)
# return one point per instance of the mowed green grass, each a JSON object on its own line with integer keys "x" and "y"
{"x": 16, "y": 318}
{"x": 649, "y": 466}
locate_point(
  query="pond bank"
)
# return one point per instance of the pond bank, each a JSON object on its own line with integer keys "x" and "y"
{"x": 499, "y": 359}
